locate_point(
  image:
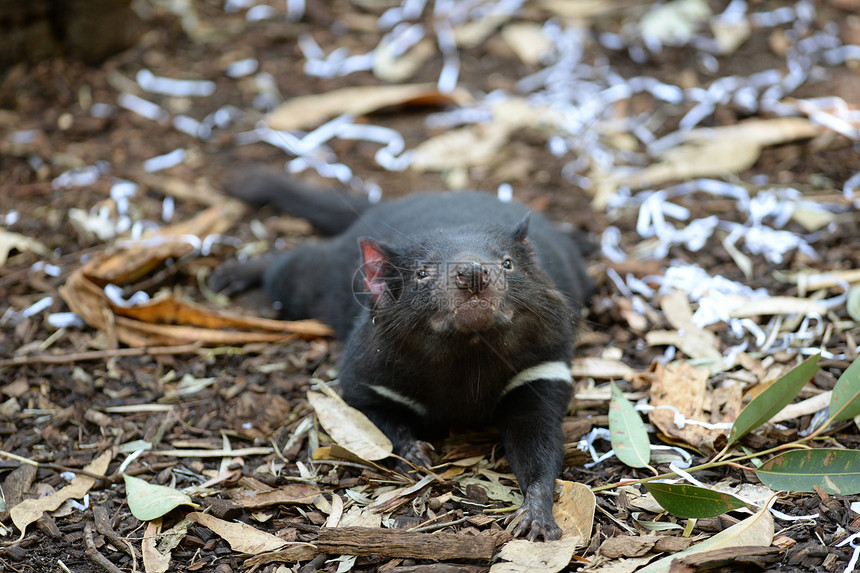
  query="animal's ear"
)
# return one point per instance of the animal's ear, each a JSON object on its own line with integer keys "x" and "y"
{"x": 521, "y": 230}
{"x": 374, "y": 266}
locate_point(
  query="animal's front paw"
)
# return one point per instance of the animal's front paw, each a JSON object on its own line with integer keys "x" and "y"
{"x": 234, "y": 277}
{"x": 536, "y": 518}
{"x": 418, "y": 452}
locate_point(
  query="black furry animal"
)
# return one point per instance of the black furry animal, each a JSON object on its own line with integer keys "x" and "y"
{"x": 457, "y": 311}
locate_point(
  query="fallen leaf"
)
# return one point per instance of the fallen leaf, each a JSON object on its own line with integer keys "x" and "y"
{"x": 349, "y": 428}
{"x": 166, "y": 320}
{"x": 289, "y": 494}
{"x": 709, "y": 152}
{"x": 754, "y": 530}
{"x": 693, "y": 341}
{"x": 778, "y": 305}
{"x": 601, "y": 368}
{"x": 574, "y": 510}
{"x": 397, "y": 69}
{"x": 681, "y": 387}
{"x": 527, "y": 40}
{"x": 154, "y": 561}
{"x": 306, "y": 112}
{"x": 627, "y": 431}
{"x": 30, "y": 510}
{"x": 521, "y": 556}
{"x": 10, "y": 241}
{"x": 242, "y": 537}
{"x": 150, "y": 501}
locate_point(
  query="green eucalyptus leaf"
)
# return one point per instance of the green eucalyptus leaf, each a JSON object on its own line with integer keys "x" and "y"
{"x": 627, "y": 431}
{"x": 764, "y": 406}
{"x": 690, "y": 501}
{"x": 834, "y": 471}
{"x": 845, "y": 400}
{"x": 148, "y": 502}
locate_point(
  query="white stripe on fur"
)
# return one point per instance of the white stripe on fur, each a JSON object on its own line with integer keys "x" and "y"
{"x": 395, "y": 396}
{"x": 557, "y": 370}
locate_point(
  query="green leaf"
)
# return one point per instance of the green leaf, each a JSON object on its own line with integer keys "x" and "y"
{"x": 845, "y": 400}
{"x": 627, "y": 431}
{"x": 834, "y": 471}
{"x": 148, "y": 502}
{"x": 755, "y": 530}
{"x": 690, "y": 501}
{"x": 764, "y": 406}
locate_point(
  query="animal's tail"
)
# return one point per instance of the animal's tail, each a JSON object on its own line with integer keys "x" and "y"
{"x": 330, "y": 211}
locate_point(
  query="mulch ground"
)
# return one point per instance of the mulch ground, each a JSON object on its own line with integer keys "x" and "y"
{"x": 97, "y": 396}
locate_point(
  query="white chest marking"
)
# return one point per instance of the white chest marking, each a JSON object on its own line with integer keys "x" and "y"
{"x": 557, "y": 370}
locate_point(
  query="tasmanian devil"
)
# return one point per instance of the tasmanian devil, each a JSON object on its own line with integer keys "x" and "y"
{"x": 457, "y": 310}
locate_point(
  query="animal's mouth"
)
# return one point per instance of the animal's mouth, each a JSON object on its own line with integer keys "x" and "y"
{"x": 472, "y": 314}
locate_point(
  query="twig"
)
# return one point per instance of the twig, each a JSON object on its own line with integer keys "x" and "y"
{"x": 99, "y": 355}
{"x": 435, "y": 526}
{"x": 50, "y": 466}
{"x": 103, "y": 526}
{"x": 5, "y": 564}
{"x": 93, "y": 554}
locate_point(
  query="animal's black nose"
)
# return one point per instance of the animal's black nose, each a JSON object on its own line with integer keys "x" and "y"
{"x": 472, "y": 276}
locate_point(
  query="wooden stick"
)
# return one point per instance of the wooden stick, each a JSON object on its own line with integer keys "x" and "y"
{"x": 398, "y": 543}
{"x": 98, "y": 355}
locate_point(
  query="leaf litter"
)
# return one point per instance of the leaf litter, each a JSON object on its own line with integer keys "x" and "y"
{"x": 703, "y": 170}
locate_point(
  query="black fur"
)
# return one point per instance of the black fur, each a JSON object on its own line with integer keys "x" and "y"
{"x": 442, "y": 299}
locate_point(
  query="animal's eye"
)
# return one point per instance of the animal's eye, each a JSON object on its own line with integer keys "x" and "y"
{"x": 507, "y": 264}
{"x": 422, "y": 274}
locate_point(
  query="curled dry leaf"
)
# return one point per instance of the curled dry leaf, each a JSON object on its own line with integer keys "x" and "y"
{"x": 306, "y": 112}
{"x": 166, "y": 320}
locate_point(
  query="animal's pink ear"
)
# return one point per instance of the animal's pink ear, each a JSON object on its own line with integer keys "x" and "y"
{"x": 374, "y": 263}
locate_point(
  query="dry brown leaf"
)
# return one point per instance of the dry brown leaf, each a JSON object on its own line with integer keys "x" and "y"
{"x": 627, "y": 546}
{"x": 474, "y": 33}
{"x": 307, "y": 112}
{"x": 681, "y": 387}
{"x": 581, "y": 9}
{"x": 480, "y": 144}
{"x": 15, "y": 241}
{"x": 574, "y": 511}
{"x": 710, "y": 152}
{"x": 601, "y": 368}
{"x": 30, "y": 510}
{"x": 242, "y": 537}
{"x": 778, "y": 305}
{"x": 468, "y": 146}
{"x": 166, "y": 320}
{"x": 361, "y": 517}
{"x": 154, "y": 561}
{"x": 396, "y": 69}
{"x": 693, "y": 341}
{"x": 349, "y": 428}
{"x": 527, "y": 40}
{"x": 521, "y": 556}
{"x": 289, "y": 494}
